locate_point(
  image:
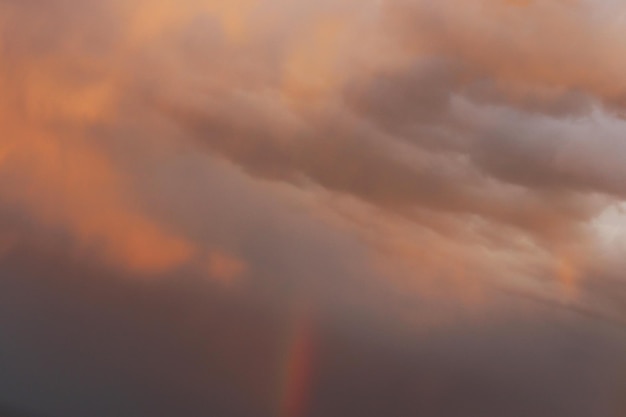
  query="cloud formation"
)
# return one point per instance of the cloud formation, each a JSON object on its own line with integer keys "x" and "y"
{"x": 404, "y": 162}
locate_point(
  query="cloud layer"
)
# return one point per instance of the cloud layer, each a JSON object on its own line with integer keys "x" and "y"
{"x": 401, "y": 162}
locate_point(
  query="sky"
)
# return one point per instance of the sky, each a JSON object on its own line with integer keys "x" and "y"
{"x": 298, "y": 208}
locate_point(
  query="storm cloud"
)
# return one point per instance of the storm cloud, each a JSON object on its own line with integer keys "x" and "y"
{"x": 331, "y": 208}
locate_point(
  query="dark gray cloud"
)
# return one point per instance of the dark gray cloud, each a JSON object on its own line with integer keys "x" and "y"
{"x": 81, "y": 340}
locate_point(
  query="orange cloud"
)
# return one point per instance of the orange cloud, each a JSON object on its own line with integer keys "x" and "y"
{"x": 56, "y": 97}
{"x": 311, "y": 67}
{"x": 538, "y": 43}
{"x": 225, "y": 267}
{"x": 53, "y": 170}
{"x": 71, "y": 186}
{"x": 148, "y": 20}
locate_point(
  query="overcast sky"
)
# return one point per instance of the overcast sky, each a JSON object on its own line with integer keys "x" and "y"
{"x": 299, "y": 208}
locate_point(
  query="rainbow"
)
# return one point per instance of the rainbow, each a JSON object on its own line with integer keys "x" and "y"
{"x": 297, "y": 367}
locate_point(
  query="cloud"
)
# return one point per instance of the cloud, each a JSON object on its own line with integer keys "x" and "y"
{"x": 404, "y": 164}
{"x": 80, "y": 340}
{"x": 446, "y": 136}
{"x": 441, "y": 138}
